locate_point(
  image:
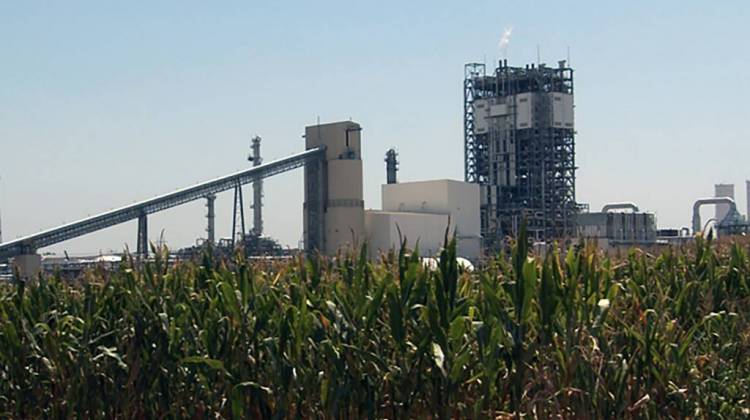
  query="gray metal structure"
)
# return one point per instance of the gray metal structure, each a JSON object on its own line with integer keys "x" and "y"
{"x": 391, "y": 166}
{"x": 618, "y": 228}
{"x": 620, "y": 206}
{"x": 519, "y": 146}
{"x": 731, "y": 224}
{"x": 238, "y": 216}
{"x": 257, "y": 189}
{"x": 29, "y": 244}
{"x": 211, "y": 218}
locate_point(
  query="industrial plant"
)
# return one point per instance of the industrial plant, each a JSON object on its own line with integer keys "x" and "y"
{"x": 519, "y": 168}
{"x": 519, "y": 146}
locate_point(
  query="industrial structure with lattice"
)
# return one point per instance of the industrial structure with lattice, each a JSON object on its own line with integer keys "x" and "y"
{"x": 519, "y": 146}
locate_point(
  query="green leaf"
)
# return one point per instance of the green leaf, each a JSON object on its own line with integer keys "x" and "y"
{"x": 199, "y": 360}
{"x": 396, "y": 318}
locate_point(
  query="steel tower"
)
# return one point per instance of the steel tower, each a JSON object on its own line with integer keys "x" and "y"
{"x": 519, "y": 145}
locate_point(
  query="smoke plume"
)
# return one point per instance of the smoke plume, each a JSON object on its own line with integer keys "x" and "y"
{"x": 505, "y": 39}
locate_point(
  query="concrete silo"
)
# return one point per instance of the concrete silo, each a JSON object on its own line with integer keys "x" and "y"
{"x": 334, "y": 206}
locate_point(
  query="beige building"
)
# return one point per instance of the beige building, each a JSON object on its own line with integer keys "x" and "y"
{"x": 387, "y": 229}
{"x": 422, "y": 211}
{"x": 334, "y": 216}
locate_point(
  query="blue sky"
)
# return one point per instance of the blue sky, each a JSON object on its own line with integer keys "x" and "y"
{"x": 105, "y": 104}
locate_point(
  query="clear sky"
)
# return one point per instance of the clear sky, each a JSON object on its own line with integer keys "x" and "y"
{"x": 106, "y": 103}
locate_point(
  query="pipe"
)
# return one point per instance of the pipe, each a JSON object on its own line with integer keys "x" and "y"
{"x": 614, "y": 206}
{"x": 257, "y": 189}
{"x": 712, "y": 200}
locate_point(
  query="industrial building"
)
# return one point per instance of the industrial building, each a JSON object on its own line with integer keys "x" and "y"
{"x": 519, "y": 146}
{"x": 723, "y": 190}
{"x": 611, "y": 228}
{"x": 334, "y": 214}
{"x": 387, "y": 229}
{"x": 422, "y": 212}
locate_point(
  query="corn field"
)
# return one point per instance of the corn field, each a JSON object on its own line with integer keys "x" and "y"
{"x": 568, "y": 335}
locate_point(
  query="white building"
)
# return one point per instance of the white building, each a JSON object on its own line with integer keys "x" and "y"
{"x": 386, "y": 230}
{"x": 723, "y": 190}
{"x": 422, "y": 211}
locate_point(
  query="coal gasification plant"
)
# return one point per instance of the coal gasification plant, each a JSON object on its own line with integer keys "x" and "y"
{"x": 519, "y": 167}
{"x": 519, "y": 146}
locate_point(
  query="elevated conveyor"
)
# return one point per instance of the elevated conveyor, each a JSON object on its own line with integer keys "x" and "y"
{"x": 29, "y": 244}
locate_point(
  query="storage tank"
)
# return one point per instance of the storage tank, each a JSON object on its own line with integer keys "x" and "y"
{"x": 723, "y": 190}
{"x": 337, "y": 207}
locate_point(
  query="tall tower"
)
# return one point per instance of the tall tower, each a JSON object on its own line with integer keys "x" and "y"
{"x": 257, "y": 189}
{"x": 723, "y": 190}
{"x": 391, "y": 166}
{"x": 519, "y": 145}
{"x": 334, "y": 215}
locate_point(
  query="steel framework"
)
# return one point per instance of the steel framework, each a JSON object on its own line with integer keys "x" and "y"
{"x": 526, "y": 171}
{"x": 31, "y": 243}
{"x": 238, "y": 217}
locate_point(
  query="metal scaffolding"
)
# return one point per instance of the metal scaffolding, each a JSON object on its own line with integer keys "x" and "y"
{"x": 519, "y": 145}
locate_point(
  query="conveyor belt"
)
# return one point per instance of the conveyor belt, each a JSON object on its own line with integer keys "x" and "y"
{"x": 31, "y": 243}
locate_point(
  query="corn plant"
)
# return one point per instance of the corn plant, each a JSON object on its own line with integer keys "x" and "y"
{"x": 572, "y": 334}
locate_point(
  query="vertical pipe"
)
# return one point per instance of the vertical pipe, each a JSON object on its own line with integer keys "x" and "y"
{"x": 211, "y": 218}
{"x": 242, "y": 212}
{"x": 142, "y": 243}
{"x": 257, "y": 190}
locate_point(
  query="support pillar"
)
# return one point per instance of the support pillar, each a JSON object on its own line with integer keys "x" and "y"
{"x": 313, "y": 215}
{"x": 211, "y": 218}
{"x": 28, "y": 265}
{"x": 257, "y": 190}
{"x": 142, "y": 243}
{"x": 238, "y": 219}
